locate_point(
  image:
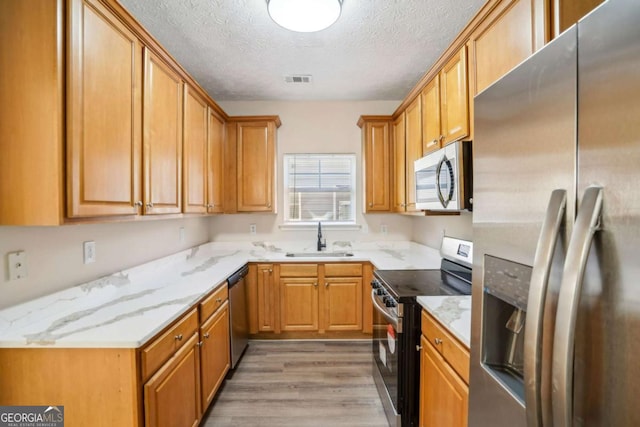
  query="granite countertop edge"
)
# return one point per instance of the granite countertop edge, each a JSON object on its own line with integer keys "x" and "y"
{"x": 453, "y": 312}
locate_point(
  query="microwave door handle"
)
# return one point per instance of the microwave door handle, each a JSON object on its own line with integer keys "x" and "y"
{"x": 451, "y": 181}
{"x": 587, "y": 223}
{"x": 535, "y": 308}
{"x": 438, "y": 192}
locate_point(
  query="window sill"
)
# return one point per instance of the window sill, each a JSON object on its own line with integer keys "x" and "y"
{"x": 314, "y": 226}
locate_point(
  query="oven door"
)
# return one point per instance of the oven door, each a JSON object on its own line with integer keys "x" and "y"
{"x": 387, "y": 328}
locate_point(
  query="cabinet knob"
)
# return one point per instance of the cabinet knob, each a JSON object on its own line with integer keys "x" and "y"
{"x": 270, "y": 270}
{"x": 326, "y": 285}
{"x": 418, "y": 347}
{"x": 438, "y": 341}
{"x": 209, "y": 206}
{"x": 315, "y": 284}
{"x": 269, "y": 205}
{"x": 149, "y": 205}
{"x": 200, "y": 344}
{"x": 218, "y": 300}
{"x": 178, "y": 337}
{"x": 370, "y": 205}
{"x": 138, "y": 203}
{"x": 432, "y": 143}
{"x": 206, "y": 335}
{"x": 441, "y": 137}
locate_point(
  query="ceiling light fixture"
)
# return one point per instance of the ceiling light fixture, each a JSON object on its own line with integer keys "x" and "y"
{"x": 304, "y": 16}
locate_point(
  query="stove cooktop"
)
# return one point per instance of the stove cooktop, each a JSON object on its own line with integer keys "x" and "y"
{"x": 408, "y": 284}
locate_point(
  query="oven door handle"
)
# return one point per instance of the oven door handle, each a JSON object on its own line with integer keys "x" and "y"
{"x": 395, "y": 321}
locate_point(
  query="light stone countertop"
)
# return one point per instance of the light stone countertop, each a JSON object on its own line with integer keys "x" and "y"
{"x": 454, "y": 312}
{"x": 127, "y": 308}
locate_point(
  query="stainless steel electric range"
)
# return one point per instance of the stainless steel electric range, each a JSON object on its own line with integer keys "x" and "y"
{"x": 396, "y": 325}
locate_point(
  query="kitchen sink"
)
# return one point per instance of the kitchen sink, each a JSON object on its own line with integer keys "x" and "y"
{"x": 318, "y": 254}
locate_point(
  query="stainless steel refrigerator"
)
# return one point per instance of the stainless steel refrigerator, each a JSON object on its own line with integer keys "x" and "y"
{"x": 556, "y": 270}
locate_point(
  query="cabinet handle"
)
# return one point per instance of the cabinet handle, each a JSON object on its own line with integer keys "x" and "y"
{"x": 138, "y": 203}
{"x": 178, "y": 337}
{"x": 218, "y": 300}
{"x": 438, "y": 341}
{"x": 200, "y": 344}
{"x": 206, "y": 335}
{"x": 418, "y": 347}
{"x": 432, "y": 143}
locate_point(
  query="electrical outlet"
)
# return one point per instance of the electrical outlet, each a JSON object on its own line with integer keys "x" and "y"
{"x": 181, "y": 234}
{"x": 252, "y": 228}
{"x": 383, "y": 229}
{"x": 89, "y": 252}
{"x": 17, "y": 265}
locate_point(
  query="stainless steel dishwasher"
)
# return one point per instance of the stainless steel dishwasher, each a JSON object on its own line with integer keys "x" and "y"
{"x": 239, "y": 329}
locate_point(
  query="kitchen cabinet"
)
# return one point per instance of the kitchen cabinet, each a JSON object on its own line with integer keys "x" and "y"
{"x": 376, "y": 155}
{"x": 565, "y": 13}
{"x": 444, "y": 377}
{"x": 413, "y": 150}
{"x": 172, "y": 395}
{"x": 454, "y": 98}
{"x": 263, "y": 300}
{"x": 215, "y": 352}
{"x": 162, "y": 137}
{"x": 431, "y": 133}
{"x": 194, "y": 146}
{"x": 342, "y": 299}
{"x": 215, "y": 186}
{"x": 104, "y": 112}
{"x": 299, "y": 295}
{"x": 399, "y": 165}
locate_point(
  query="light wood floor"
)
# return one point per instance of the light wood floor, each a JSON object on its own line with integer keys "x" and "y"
{"x": 300, "y": 383}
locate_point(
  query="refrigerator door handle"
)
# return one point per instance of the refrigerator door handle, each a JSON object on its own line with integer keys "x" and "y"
{"x": 587, "y": 223}
{"x": 535, "y": 306}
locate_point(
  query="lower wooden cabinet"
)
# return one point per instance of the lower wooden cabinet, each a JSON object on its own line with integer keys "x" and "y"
{"x": 299, "y": 304}
{"x": 342, "y": 304}
{"x": 444, "y": 376}
{"x": 215, "y": 354}
{"x": 172, "y": 395}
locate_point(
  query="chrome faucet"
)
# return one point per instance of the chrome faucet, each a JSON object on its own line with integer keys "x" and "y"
{"x": 322, "y": 243}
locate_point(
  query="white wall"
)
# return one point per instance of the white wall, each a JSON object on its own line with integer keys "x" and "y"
{"x": 312, "y": 127}
{"x": 54, "y": 254}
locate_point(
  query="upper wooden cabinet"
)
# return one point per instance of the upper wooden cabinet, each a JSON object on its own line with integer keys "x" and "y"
{"x": 103, "y": 113}
{"x": 399, "y": 176}
{"x": 431, "y": 133}
{"x": 565, "y": 13}
{"x": 376, "y": 154}
{"x": 162, "y": 137}
{"x": 215, "y": 186}
{"x": 250, "y": 164}
{"x": 195, "y": 161}
{"x": 454, "y": 98}
{"x": 413, "y": 149}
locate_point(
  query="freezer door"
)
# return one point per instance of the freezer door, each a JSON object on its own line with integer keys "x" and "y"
{"x": 524, "y": 149}
{"x": 607, "y": 346}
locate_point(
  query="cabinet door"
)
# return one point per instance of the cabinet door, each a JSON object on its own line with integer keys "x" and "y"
{"x": 299, "y": 304}
{"x": 342, "y": 304}
{"x": 162, "y": 137}
{"x": 377, "y": 167}
{"x": 256, "y": 160}
{"x": 454, "y": 98}
{"x": 216, "y": 163}
{"x": 267, "y": 299}
{"x": 172, "y": 395}
{"x": 214, "y": 353}
{"x": 195, "y": 177}
{"x": 399, "y": 165}
{"x": 413, "y": 118}
{"x": 103, "y": 114}
{"x": 431, "y": 134}
{"x": 444, "y": 397}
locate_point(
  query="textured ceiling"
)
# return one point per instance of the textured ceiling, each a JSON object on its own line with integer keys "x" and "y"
{"x": 377, "y": 50}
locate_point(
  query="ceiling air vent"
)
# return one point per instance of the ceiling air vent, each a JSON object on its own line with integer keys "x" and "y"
{"x": 298, "y": 78}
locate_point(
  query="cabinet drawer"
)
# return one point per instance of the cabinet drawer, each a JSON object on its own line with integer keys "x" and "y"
{"x": 298, "y": 270}
{"x": 455, "y": 353}
{"x": 343, "y": 270}
{"x": 160, "y": 349}
{"x": 213, "y": 302}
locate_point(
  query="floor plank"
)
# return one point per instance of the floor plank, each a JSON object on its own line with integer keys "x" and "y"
{"x": 300, "y": 383}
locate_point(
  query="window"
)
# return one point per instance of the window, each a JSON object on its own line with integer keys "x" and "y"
{"x": 319, "y": 187}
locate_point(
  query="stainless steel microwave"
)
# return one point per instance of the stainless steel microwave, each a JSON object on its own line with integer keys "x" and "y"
{"x": 444, "y": 179}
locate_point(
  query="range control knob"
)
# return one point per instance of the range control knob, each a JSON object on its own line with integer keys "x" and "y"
{"x": 380, "y": 291}
{"x": 375, "y": 284}
{"x": 390, "y": 303}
